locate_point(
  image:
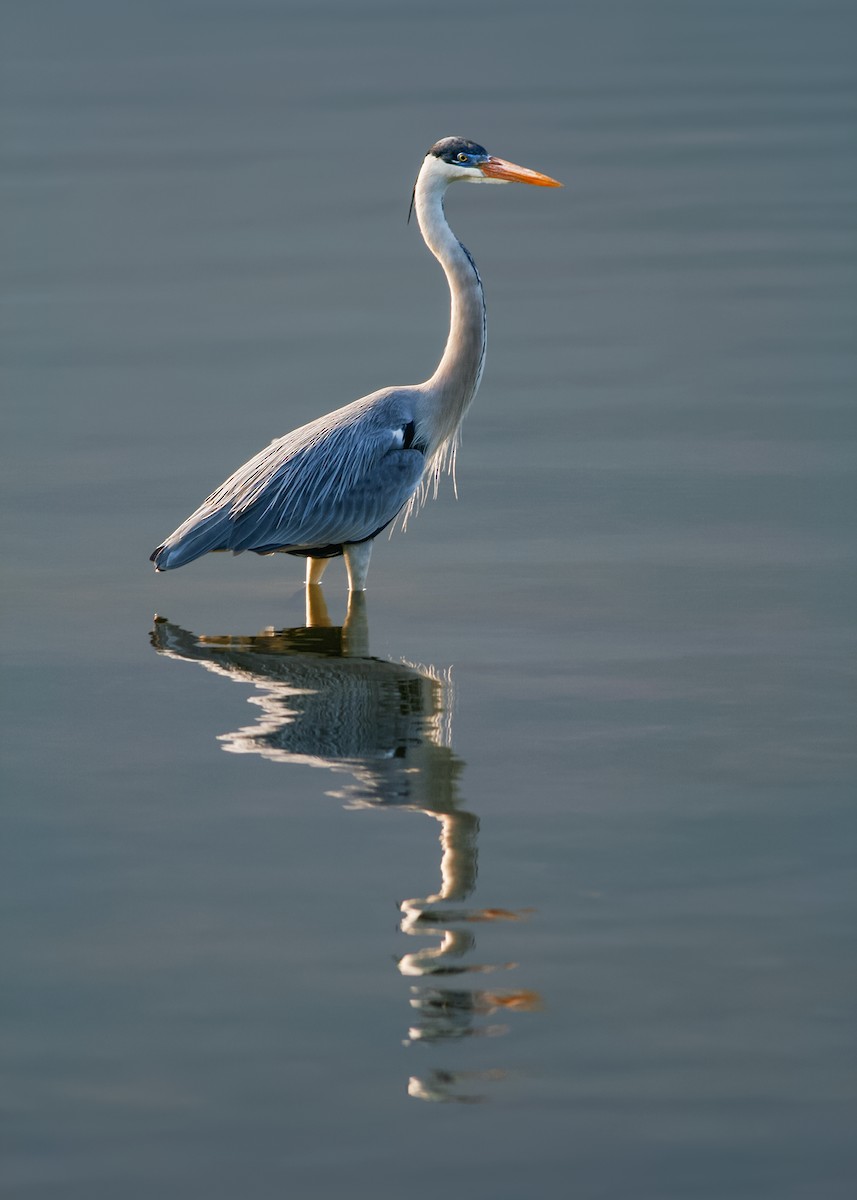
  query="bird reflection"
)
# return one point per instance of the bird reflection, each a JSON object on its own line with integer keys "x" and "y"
{"x": 323, "y": 701}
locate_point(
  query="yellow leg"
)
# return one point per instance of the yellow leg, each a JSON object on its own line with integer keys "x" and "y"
{"x": 315, "y": 568}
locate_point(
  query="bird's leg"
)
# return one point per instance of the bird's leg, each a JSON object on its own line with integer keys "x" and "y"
{"x": 357, "y": 555}
{"x": 315, "y": 568}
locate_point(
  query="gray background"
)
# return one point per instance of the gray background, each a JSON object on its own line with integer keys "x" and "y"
{"x": 643, "y": 598}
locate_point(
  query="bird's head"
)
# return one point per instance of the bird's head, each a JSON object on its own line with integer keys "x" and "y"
{"x": 456, "y": 158}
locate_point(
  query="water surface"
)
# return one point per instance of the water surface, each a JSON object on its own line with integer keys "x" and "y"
{"x": 535, "y": 874}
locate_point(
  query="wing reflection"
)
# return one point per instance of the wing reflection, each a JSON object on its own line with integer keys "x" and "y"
{"x": 322, "y": 700}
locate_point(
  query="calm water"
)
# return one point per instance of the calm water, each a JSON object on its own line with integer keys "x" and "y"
{"x": 534, "y": 875}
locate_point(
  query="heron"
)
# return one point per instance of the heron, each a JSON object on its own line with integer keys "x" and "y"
{"x": 330, "y": 487}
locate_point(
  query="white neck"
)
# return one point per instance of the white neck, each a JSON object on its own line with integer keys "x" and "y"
{"x": 454, "y": 383}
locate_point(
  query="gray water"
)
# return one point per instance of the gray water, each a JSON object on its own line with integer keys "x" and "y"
{"x": 534, "y": 875}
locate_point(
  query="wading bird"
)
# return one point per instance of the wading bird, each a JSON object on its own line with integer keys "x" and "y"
{"x": 330, "y": 487}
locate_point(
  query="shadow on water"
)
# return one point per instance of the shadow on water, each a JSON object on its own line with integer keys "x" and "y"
{"x": 323, "y": 701}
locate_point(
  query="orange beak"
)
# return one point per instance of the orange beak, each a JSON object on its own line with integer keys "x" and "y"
{"x": 498, "y": 168}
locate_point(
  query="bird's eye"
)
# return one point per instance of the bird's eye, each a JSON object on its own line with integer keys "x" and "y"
{"x": 462, "y": 157}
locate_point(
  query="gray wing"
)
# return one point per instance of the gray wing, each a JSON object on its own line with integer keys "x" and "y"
{"x": 340, "y": 479}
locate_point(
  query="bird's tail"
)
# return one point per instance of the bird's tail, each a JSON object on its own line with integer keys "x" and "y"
{"x": 193, "y": 539}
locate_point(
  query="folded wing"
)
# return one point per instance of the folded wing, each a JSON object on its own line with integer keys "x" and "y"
{"x": 340, "y": 479}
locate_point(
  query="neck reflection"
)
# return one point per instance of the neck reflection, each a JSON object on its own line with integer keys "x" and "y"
{"x": 323, "y": 701}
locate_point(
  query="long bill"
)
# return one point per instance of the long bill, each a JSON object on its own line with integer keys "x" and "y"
{"x": 507, "y": 172}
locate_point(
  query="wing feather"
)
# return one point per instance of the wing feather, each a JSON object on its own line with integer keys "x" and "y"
{"x": 339, "y": 479}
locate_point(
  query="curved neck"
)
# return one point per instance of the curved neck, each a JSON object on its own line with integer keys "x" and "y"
{"x": 459, "y": 371}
